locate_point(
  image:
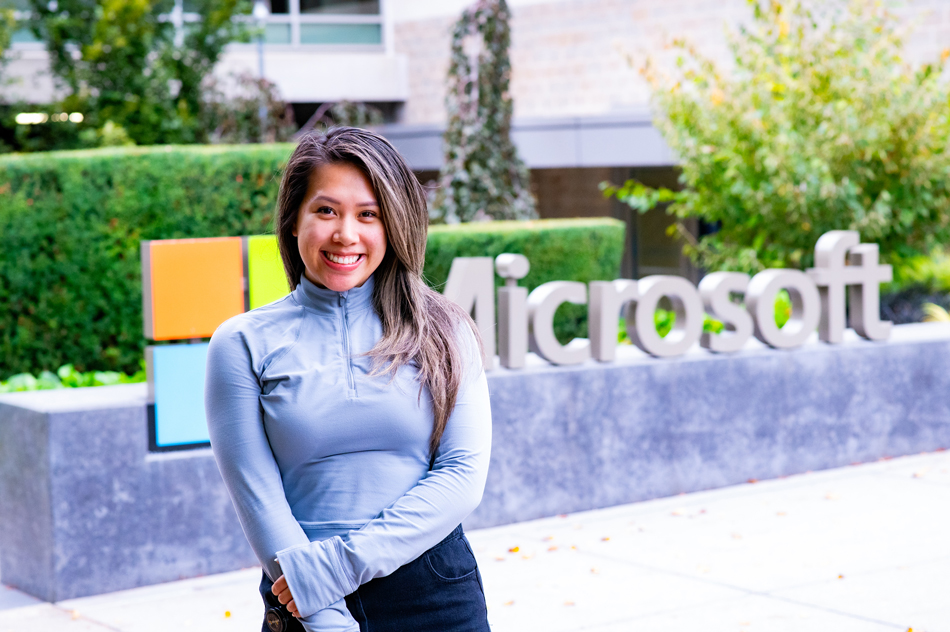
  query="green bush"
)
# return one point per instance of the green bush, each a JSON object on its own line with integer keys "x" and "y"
{"x": 931, "y": 273}
{"x": 71, "y": 223}
{"x": 559, "y": 250}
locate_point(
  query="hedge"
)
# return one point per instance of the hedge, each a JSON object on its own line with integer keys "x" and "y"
{"x": 71, "y": 223}
{"x": 558, "y": 250}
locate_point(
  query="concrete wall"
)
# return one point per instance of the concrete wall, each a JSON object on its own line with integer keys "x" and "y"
{"x": 576, "y": 438}
{"x": 85, "y": 509}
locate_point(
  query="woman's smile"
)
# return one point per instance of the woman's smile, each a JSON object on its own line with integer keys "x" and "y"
{"x": 341, "y": 261}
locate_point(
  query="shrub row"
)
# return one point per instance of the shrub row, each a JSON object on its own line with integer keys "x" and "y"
{"x": 71, "y": 223}
{"x": 558, "y": 250}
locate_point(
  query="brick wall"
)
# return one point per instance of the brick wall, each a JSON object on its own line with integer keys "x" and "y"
{"x": 572, "y": 57}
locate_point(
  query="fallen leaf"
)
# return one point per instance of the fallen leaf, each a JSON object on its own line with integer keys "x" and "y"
{"x": 595, "y": 571}
{"x": 499, "y": 558}
{"x": 736, "y": 536}
{"x": 527, "y": 556}
{"x": 510, "y": 603}
{"x": 568, "y": 603}
{"x": 840, "y": 576}
{"x": 832, "y": 496}
{"x": 549, "y": 538}
{"x": 552, "y": 548}
{"x": 605, "y": 539}
{"x": 74, "y": 614}
{"x": 753, "y": 481}
{"x": 678, "y": 512}
{"x": 514, "y": 549}
{"x": 227, "y": 614}
{"x": 782, "y": 513}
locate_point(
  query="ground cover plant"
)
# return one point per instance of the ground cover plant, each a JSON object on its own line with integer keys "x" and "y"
{"x": 817, "y": 123}
{"x": 68, "y": 377}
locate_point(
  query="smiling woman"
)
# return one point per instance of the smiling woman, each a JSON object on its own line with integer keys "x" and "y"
{"x": 350, "y": 419}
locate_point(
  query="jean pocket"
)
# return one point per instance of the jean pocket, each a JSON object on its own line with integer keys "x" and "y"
{"x": 451, "y": 561}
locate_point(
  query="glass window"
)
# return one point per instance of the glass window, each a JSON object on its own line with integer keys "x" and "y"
{"x": 277, "y": 33}
{"x": 340, "y": 7}
{"x": 16, "y": 5}
{"x": 341, "y": 34}
{"x": 23, "y": 36}
{"x": 279, "y": 7}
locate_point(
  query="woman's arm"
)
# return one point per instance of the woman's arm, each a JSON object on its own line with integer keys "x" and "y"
{"x": 242, "y": 451}
{"x": 246, "y": 462}
{"x": 320, "y": 573}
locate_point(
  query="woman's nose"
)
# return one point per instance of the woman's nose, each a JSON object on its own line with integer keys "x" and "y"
{"x": 347, "y": 232}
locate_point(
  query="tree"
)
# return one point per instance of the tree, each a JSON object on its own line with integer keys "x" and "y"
{"x": 7, "y": 26}
{"x": 236, "y": 117}
{"x": 820, "y": 124}
{"x": 119, "y": 61}
{"x": 482, "y": 176}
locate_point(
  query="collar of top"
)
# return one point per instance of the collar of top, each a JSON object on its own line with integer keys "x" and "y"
{"x": 324, "y": 301}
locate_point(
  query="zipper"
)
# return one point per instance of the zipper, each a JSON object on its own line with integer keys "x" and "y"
{"x": 350, "y": 380}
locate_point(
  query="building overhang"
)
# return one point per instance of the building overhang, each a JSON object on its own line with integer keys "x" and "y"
{"x": 304, "y": 76}
{"x": 617, "y": 140}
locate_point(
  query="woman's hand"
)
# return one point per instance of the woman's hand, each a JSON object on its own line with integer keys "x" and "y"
{"x": 282, "y": 591}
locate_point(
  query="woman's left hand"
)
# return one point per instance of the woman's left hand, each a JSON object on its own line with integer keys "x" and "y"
{"x": 282, "y": 591}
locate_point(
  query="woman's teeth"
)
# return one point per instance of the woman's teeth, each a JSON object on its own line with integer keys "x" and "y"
{"x": 349, "y": 259}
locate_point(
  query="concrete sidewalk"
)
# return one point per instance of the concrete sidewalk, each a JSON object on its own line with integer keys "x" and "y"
{"x": 859, "y": 548}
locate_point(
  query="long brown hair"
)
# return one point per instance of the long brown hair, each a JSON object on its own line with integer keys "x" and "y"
{"x": 420, "y": 326}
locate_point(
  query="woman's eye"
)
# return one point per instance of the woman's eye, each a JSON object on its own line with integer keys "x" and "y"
{"x": 370, "y": 214}
{"x": 324, "y": 210}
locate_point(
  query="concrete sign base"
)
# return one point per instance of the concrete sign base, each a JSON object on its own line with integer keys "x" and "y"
{"x": 85, "y": 508}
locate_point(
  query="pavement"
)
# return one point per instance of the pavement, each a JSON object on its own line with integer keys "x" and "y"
{"x": 860, "y": 548}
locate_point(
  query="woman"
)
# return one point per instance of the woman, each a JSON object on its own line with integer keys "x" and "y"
{"x": 350, "y": 419}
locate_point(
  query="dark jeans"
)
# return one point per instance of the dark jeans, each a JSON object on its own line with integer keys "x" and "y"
{"x": 441, "y": 591}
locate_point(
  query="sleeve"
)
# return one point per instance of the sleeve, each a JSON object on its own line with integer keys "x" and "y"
{"x": 246, "y": 462}
{"x": 242, "y": 451}
{"x": 320, "y": 573}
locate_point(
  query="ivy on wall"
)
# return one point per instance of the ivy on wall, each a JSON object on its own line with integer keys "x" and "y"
{"x": 482, "y": 176}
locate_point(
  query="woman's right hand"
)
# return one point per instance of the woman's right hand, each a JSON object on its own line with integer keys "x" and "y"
{"x": 282, "y": 591}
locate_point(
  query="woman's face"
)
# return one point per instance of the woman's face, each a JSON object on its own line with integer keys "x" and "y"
{"x": 339, "y": 231}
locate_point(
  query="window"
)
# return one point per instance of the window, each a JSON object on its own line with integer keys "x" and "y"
{"x": 21, "y": 12}
{"x": 356, "y": 23}
{"x": 340, "y": 7}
